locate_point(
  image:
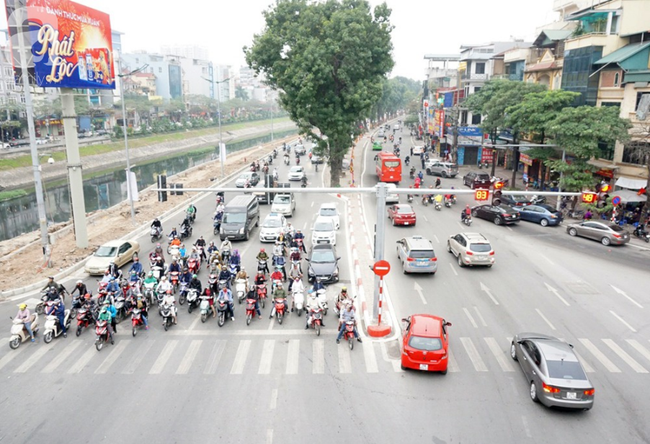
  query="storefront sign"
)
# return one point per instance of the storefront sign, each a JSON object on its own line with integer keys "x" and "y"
{"x": 525, "y": 159}
{"x": 605, "y": 173}
{"x": 486, "y": 155}
{"x": 470, "y": 131}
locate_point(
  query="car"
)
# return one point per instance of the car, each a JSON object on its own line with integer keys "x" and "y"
{"x": 542, "y": 214}
{"x": 475, "y": 180}
{"x": 515, "y": 200}
{"x": 471, "y": 249}
{"x": 416, "y": 254}
{"x": 499, "y": 214}
{"x": 418, "y": 149}
{"x": 425, "y": 343}
{"x": 284, "y": 204}
{"x": 274, "y": 224}
{"x": 296, "y": 173}
{"x": 300, "y": 150}
{"x": 119, "y": 251}
{"x": 316, "y": 159}
{"x": 391, "y": 197}
{"x": 553, "y": 371}
{"x": 251, "y": 176}
{"x": 401, "y": 214}
{"x": 606, "y": 233}
{"x": 396, "y": 127}
{"x": 376, "y": 146}
{"x": 437, "y": 167}
{"x": 323, "y": 232}
{"x": 328, "y": 210}
{"x": 381, "y": 133}
{"x": 323, "y": 264}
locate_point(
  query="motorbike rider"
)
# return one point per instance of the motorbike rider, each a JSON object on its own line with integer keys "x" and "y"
{"x": 294, "y": 273}
{"x": 241, "y": 274}
{"x": 173, "y": 233}
{"x": 421, "y": 176}
{"x": 150, "y": 279}
{"x": 304, "y": 181}
{"x": 137, "y": 267}
{"x": 252, "y": 294}
{"x": 195, "y": 255}
{"x": 157, "y": 225}
{"x": 263, "y": 256}
{"x": 208, "y": 292}
{"x": 348, "y": 314}
{"x": 195, "y": 284}
{"x": 25, "y": 316}
{"x": 465, "y": 213}
{"x": 235, "y": 259}
{"x": 311, "y": 305}
{"x": 163, "y": 286}
{"x": 113, "y": 287}
{"x": 226, "y": 248}
{"x": 279, "y": 295}
{"x": 105, "y": 315}
{"x": 141, "y": 304}
{"x": 185, "y": 226}
{"x": 182, "y": 252}
{"x": 279, "y": 262}
{"x": 224, "y": 275}
{"x": 159, "y": 251}
{"x": 412, "y": 172}
{"x": 318, "y": 285}
{"x": 438, "y": 182}
{"x": 343, "y": 297}
{"x": 295, "y": 255}
{"x": 407, "y": 160}
{"x": 212, "y": 248}
{"x": 260, "y": 279}
{"x": 58, "y": 309}
{"x": 171, "y": 301}
{"x": 191, "y": 212}
{"x": 277, "y": 275}
{"x": 438, "y": 199}
{"x": 114, "y": 270}
{"x": 226, "y": 295}
{"x": 301, "y": 244}
{"x": 175, "y": 242}
{"x": 200, "y": 242}
{"x": 296, "y": 286}
{"x": 80, "y": 287}
{"x": 174, "y": 267}
{"x": 186, "y": 277}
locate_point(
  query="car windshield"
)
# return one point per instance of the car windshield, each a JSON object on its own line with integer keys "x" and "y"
{"x": 245, "y": 176}
{"x": 234, "y": 218}
{"x": 517, "y": 198}
{"x": 480, "y": 248}
{"x": 404, "y": 209}
{"x": 329, "y": 212}
{"x": 281, "y": 199}
{"x": 615, "y": 228}
{"x": 296, "y": 169}
{"x": 565, "y": 370}
{"x": 105, "y": 251}
{"x": 322, "y": 256}
{"x": 272, "y": 223}
{"x": 323, "y": 226}
{"x": 422, "y": 254}
{"x": 427, "y": 344}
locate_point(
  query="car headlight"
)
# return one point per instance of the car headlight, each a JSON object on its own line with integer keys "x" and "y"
{"x": 311, "y": 271}
{"x": 241, "y": 230}
{"x": 336, "y": 271}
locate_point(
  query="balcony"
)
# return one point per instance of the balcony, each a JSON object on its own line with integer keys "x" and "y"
{"x": 474, "y": 76}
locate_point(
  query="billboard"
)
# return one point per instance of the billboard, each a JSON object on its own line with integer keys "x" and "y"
{"x": 71, "y": 44}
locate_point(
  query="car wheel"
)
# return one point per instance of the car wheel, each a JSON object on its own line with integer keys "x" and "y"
{"x": 474, "y": 213}
{"x": 444, "y": 174}
{"x": 404, "y": 269}
{"x": 533, "y": 392}
{"x": 497, "y": 220}
{"x": 573, "y": 232}
{"x": 605, "y": 241}
{"x": 513, "y": 351}
{"x": 444, "y": 372}
{"x": 393, "y": 222}
{"x": 449, "y": 248}
{"x": 543, "y": 222}
{"x": 460, "y": 261}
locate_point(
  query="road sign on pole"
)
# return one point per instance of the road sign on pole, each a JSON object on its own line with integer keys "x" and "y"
{"x": 381, "y": 268}
{"x": 616, "y": 200}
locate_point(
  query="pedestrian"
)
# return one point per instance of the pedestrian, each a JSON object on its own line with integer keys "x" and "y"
{"x": 422, "y": 159}
{"x": 411, "y": 151}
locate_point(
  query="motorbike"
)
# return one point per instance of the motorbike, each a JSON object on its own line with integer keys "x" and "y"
{"x": 53, "y": 327}
{"x": 448, "y": 203}
{"x": 261, "y": 293}
{"x": 156, "y": 234}
{"x": 225, "y": 256}
{"x": 298, "y": 301}
{"x": 224, "y": 283}
{"x": 120, "y": 308}
{"x": 45, "y": 296}
{"x": 150, "y": 292}
{"x": 173, "y": 279}
{"x": 240, "y": 289}
{"x": 84, "y": 319}
{"x": 250, "y": 310}
{"x": 222, "y": 309}
{"x": 303, "y": 184}
{"x": 322, "y": 300}
{"x": 409, "y": 198}
{"x": 136, "y": 321}
{"x": 412, "y": 173}
{"x": 262, "y": 266}
{"x": 536, "y": 200}
{"x": 101, "y": 331}
{"x": 641, "y": 233}
{"x": 482, "y": 165}
{"x": 348, "y": 335}
{"x": 186, "y": 232}
{"x": 216, "y": 226}
{"x": 192, "y": 300}
{"x": 157, "y": 272}
{"x": 316, "y": 320}
{"x": 204, "y": 306}
{"x": 194, "y": 265}
{"x": 76, "y": 305}
{"x": 166, "y": 312}
{"x": 279, "y": 308}
{"x": 286, "y": 160}
{"x": 232, "y": 269}
{"x": 184, "y": 292}
{"x": 467, "y": 220}
{"x": 425, "y": 200}
{"x": 190, "y": 215}
{"x": 19, "y": 333}
{"x": 438, "y": 206}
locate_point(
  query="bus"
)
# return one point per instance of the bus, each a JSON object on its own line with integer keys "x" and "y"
{"x": 388, "y": 167}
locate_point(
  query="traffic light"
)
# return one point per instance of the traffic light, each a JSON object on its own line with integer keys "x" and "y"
{"x": 496, "y": 196}
{"x": 605, "y": 188}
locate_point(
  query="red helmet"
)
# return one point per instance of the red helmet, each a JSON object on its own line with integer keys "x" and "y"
{"x": 208, "y": 292}
{"x": 261, "y": 250}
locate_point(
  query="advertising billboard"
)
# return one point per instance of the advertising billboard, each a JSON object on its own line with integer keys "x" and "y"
{"x": 71, "y": 44}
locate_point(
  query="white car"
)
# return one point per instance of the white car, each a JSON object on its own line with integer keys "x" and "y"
{"x": 296, "y": 173}
{"x": 273, "y": 225}
{"x": 391, "y": 197}
{"x": 323, "y": 232}
{"x": 283, "y": 204}
{"x": 329, "y": 211}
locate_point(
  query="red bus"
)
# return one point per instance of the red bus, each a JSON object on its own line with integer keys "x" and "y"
{"x": 388, "y": 167}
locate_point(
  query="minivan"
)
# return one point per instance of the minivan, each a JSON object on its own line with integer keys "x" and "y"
{"x": 440, "y": 168}
{"x": 416, "y": 255}
{"x": 240, "y": 216}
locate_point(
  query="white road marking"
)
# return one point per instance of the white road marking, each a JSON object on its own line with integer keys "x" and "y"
{"x": 585, "y": 364}
{"x": 188, "y": 359}
{"x": 473, "y": 354}
{"x": 609, "y": 365}
{"x": 215, "y": 357}
{"x": 267, "y": 357}
{"x": 554, "y": 291}
{"x": 629, "y": 360}
{"x": 272, "y": 320}
{"x": 29, "y": 362}
{"x": 418, "y": 290}
{"x": 194, "y": 323}
{"x": 292, "y": 356}
{"x": 164, "y": 356}
{"x": 526, "y": 428}
{"x": 345, "y": 365}
{"x": 509, "y": 228}
{"x": 83, "y": 361}
{"x": 274, "y": 399}
{"x": 240, "y": 357}
{"x": 453, "y": 268}
{"x": 638, "y": 347}
{"x": 312, "y": 204}
{"x": 269, "y": 436}
{"x": 304, "y": 226}
{"x": 501, "y": 356}
{"x": 480, "y": 316}
{"x": 489, "y": 293}
{"x": 547, "y": 259}
{"x": 471, "y": 319}
{"x": 545, "y": 319}
{"x": 425, "y": 218}
{"x": 318, "y": 350}
{"x": 112, "y": 357}
{"x": 621, "y": 292}
{"x": 6, "y": 359}
{"x": 452, "y": 365}
{"x": 370, "y": 357}
{"x": 247, "y": 332}
{"x": 139, "y": 357}
{"x": 62, "y": 356}
{"x": 623, "y": 321}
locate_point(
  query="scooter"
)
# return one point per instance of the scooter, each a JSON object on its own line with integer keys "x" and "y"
{"x": 250, "y": 310}
{"x": 467, "y": 220}
{"x": 173, "y": 279}
{"x": 262, "y": 266}
{"x": 448, "y": 203}
{"x": 194, "y": 265}
{"x": 438, "y": 206}
{"x": 192, "y": 300}
{"x": 279, "y": 309}
{"x": 222, "y": 309}
{"x": 166, "y": 312}
{"x": 120, "y": 308}
{"x": 322, "y": 300}
{"x": 348, "y": 335}
{"x": 136, "y": 321}
{"x": 316, "y": 320}
{"x": 204, "y": 306}
{"x": 298, "y": 301}
{"x": 240, "y": 288}
{"x": 261, "y": 293}
{"x": 641, "y": 234}
{"x": 156, "y": 234}
{"x": 45, "y": 296}
{"x": 84, "y": 319}
{"x": 157, "y": 272}
{"x": 101, "y": 330}
{"x": 409, "y": 198}
{"x": 150, "y": 292}
{"x": 186, "y": 233}
{"x": 53, "y": 328}
{"x": 19, "y": 332}
{"x": 232, "y": 269}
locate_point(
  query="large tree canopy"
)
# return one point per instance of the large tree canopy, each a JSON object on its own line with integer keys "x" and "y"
{"x": 328, "y": 60}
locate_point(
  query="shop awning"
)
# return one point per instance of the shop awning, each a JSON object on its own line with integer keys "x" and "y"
{"x": 624, "y": 53}
{"x": 604, "y": 164}
{"x": 628, "y": 196}
{"x": 631, "y": 184}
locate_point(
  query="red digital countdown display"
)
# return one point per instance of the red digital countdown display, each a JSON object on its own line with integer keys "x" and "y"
{"x": 589, "y": 197}
{"x": 481, "y": 195}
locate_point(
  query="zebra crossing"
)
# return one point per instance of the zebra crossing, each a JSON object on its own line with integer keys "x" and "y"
{"x": 236, "y": 355}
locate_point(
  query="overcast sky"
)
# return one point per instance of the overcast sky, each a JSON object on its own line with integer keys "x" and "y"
{"x": 421, "y": 26}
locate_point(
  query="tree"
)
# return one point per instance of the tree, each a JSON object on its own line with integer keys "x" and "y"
{"x": 241, "y": 93}
{"x": 397, "y": 94}
{"x": 327, "y": 60}
{"x": 639, "y": 148}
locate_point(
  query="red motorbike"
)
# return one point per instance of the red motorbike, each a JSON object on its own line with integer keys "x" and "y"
{"x": 280, "y": 309}
{"x": 316, "y": 320}
{"x": 348, "y": 335}
{"x": 173, "y": 279}
{"x": 250, "y": 310}
{"x": 136, "y": 321}
{"x": 261, "y": 293}
{"x": 194, "y": 265}
{"x": 101, "y": 330}
{"x": 84, "y": 319}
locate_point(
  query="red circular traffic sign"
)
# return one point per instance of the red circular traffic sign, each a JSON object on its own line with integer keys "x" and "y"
{"x": 616, "y": 200}
{"x": 381, "y": 268}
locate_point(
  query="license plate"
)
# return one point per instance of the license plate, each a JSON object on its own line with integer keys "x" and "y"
{"x": 481, "y": 258}
{"x": 571, "y": 395}
{"x": 406, "y": 223}
{"x": 424, "y": 367}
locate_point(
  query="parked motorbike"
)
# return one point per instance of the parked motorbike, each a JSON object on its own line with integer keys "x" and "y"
{"x": 19, "y": 333}
{"x": 84, "y": 319}
{"x": 240, "y": 289}
{"x": 156, "y": 234}
{"x": 101, "y": 331}
{"x": 53, "y": 327}
{"x": 193, "y": 300}
{"x": 641, "y": 233}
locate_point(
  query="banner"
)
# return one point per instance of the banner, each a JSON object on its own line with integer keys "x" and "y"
{"x": 71, "y": 44}
{"x": 222, "y": 153}
{"x": 132, "y": 186}
{"x": 525, "y": 159}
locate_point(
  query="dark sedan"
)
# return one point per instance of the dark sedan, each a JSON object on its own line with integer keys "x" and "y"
{"x": 515, "y": 200}
{"x": 323, "y": 264}
{"x": 541, "y": 214}
{"x": 499, "y": 214}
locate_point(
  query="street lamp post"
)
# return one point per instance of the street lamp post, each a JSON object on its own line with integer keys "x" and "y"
{"x": 221, "y": 157}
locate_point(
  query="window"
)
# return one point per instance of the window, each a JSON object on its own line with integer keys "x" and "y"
{"x": 477, "y": 89}
{"x": 565, "y": 370}
{"x": 428, "y": 344}
{"x": 480, "y": 68}
{"x": 617, "y": 78}
{"x": 636, "y": 153}
{"x": 476, "y": 119}
{"x": 124, "y": 248}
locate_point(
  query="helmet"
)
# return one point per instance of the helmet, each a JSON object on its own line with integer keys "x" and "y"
{"x": 22, "y": 306}
{"x": 87, "y": 296}
{"x": 236, "y": 252}
{"x": 169, "y": 291}
{"x": 150, "y": 274}
{"x": 80, "y": 282}
{"x": 155, "y": 219}
{"x": 243, "y": 268}
{"x": 112, "y": 263}
{"x": 107, "y": 302}
{"x": 112, "y": 279}
{"x": 52, "y": 277}
{"x": 298, "y": 230}
{"x": 106, "y": 272}
{"x": 466, "y": 206}
{"x": 174, "y": 229}
{"x": 262, "y": 249}
{"x": 208, "y": 292}
{"x": 279, "y": 285}
{"x": 201, "y": 237}
{"x": 194, "y": 276}
{"x": 164, "y": 278}
{"x": 452, "y": 188}
{"x": 158, "y": 245}
{"x": 136, "y": 259}
{"x": 211, "y": 242}
{"x": 344, "y": 289}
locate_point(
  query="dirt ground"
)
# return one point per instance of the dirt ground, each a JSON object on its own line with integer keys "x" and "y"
{"x": 27, "y": 266}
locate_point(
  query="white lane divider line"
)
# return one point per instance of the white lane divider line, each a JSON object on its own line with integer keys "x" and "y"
{"x": 452, "y": 365}
{"x": 526, "y": 428}
{"x": 274, "y": 399}
{"x": 62, "y": 356}
{"x": 425, "y": 218}
{"x": 629, "y": 360}
{"x": 29, "y": 362}
{"x": 638, "y": 347}
{"x": 509, "y": 228}
{"x": 501, "y": 356}
{"x": 318, "y": 350}
{"x": 215, "y": 357}
{"x": 623, "y": 321}
{"x": 345, "y": 364}
{"x": 436, "y": 238}
{"x": 83, "y": 361}
{"x": 139, "y": 357}
{"x": 292, "y": 357}
{"x": 471, "y": 319}
{"x": 474, "y": 355}
{"x": 162, "y": 359}
{"x": 609, "y": 365}
{"x": 453, "y": 268}
{"x": 267, "y": 357}
{"x": 539, "y": 312}
{"x": 480, "y": 316}
{"x": 370, "y": 357}
{"x": 190, "y": 356}
{"x": 194, "y": 323}
{"x": 111, "y": 358}
{"x": 240, "y": 357}
{"x": 269, "y": 436}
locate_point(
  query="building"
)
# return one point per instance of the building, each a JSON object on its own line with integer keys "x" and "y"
{"x": 167, "y": 69}
{"x": 546, "y": 65}
{"x": 187, "y": 51}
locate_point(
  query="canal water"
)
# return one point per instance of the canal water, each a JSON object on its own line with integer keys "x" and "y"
{"x": 104, "y": 189}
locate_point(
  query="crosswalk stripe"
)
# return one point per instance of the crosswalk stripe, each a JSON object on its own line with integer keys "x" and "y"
{"x": 267, "y": 357}
{"x": 27, "y": 364}
{"x": 370, "y": 357}
{"x": 318, "y": 351}
{"x": 61, "y": 356}
{"x": 189, "y": 357}
{"x": 452, "y": 365}
{"x": 638, "y": 347}
{"x": 609, "y": 365}
{"x": 629, "y": 360}
{"x": 588, "y": 368}
{"x": 140, "y": 353}
{"x": 345, "y": 364}
{"x": 292, "y": 357}
{"x": 162, "y": 359}
{"x": 240, "y": 357}
{"x": 78, "y": 366}
{"x": 6, "y": 359}
{"x": 111, "y": 358}
{"x": 471, "y": 319}
{"x": 473, "y": 354}
{"x": 503, "y": 361}
{"x": 215, "y": 357}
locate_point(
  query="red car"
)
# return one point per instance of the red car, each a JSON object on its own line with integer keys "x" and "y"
{"x": 425, "y": 343}
{"x": 401, "y": 214}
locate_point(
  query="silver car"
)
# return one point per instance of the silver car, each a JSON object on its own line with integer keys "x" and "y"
{"x": 606, "y": 233}
{"x": 555, "y": 375}
{"x": 416, "y": 255}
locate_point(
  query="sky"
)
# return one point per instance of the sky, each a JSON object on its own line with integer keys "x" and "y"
{"x": 421, "y": 26}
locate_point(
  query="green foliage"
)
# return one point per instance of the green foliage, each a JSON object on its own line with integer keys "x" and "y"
{"x": 328, "y": 61}
{"x": 241, "y": 93}
{"x": 397, "y": 94}
{"x": 12, "y": 194}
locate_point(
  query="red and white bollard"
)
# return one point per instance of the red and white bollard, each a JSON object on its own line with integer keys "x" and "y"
{"x": 381, "y": 268}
